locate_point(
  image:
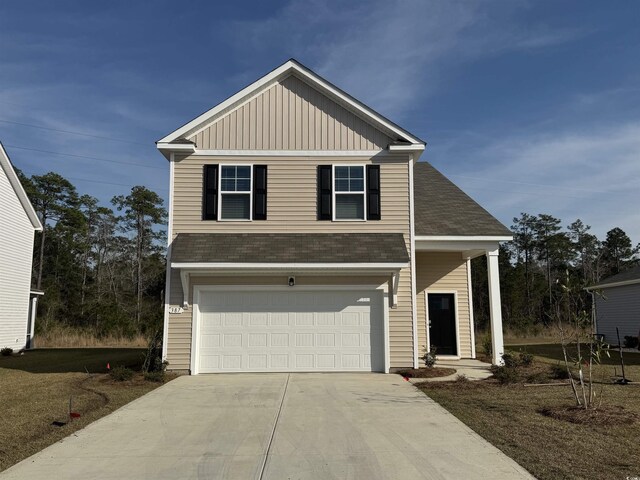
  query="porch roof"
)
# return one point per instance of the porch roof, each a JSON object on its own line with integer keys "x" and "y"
{"x": 442, "y": 209}
{"x": 289, "y": 248}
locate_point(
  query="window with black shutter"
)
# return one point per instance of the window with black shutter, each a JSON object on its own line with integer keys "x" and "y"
{"x": 210, "y": 193}
{"x": 373, "y": 192}
{"x": 324, "y": 192}
{"x": 259, "y": 192}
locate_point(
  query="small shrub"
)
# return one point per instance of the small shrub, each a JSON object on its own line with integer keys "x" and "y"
{"x": 504, "y": 374}
{"x": 121, "y": 373}
{"x": 429, "y": 357}
{"x": 630, "y": 341}
{"x": 526, "y": 359}
{"x": 6, "y": 352}
{"x": 510, "y": 360}
{"x": 487, "y": 346}
{"x": 558, "y": 372}
{"x": 157, "y": 376}
{"x": 537, "y": 377}
{"x": 462, "y": 378}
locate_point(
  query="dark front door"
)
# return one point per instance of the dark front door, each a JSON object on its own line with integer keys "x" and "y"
{"x": 442, "y": 323}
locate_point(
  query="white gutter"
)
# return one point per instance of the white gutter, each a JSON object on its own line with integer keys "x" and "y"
{"x": 614, "y": 284}
{"x": 288, "y": 266}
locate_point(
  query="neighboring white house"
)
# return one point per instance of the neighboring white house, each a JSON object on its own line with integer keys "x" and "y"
{"x": 18, "y": 222}
{"x": 618, "y": 305}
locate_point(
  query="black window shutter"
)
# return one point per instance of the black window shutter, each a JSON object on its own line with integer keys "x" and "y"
{"x": 259, "y": 192}
{"x": 210, "y": 193}
{"x": 324, "y": 192}
{"x": 373, "y": 192}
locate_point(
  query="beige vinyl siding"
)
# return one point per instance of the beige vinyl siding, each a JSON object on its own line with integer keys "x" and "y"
{"x": 443, "y": 271}
{"x": 290, "y": 115}
{"x": 16, "y": 247}
{"x": 291, "y": 196}
{"x": 291, "y": 207}
{"x": 618, "y": 307}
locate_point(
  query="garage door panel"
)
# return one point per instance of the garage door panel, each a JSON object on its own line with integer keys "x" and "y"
{"x": 290, "y": 331}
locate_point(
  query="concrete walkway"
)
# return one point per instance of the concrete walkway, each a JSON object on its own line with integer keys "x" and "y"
{"x": 472, "y": 369}
{"x": 275, "y": 426}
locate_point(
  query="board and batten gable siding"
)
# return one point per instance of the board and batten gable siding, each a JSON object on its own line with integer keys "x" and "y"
{"x": 292, "y": 208}
{"x": 16, "y": 248}
{"x": 290, "y": 115}
{"x": 443, "y": 272}
{"x": 618, "y": 307}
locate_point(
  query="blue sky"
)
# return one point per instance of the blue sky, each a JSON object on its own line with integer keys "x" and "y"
{"x": 528, "y": 106}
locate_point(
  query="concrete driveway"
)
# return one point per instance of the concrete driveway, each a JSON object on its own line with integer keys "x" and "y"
{"x": 275, "y": 426}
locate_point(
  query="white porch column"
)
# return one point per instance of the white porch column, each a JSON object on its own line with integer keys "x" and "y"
{"x": 495, "y": 307}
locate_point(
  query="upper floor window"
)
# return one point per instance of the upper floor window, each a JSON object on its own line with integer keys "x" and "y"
{"x": 235, "y": 192}
{"x": 349, "y": 192}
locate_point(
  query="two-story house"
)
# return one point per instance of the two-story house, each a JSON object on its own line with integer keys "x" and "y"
{"x": 305, "y": 235}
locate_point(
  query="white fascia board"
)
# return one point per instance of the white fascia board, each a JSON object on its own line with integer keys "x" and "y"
{"x": 464, "y": 238}
{"x": 5, "y": 163}
{"x": 386, "y": 267}
{"x": 407, "y": 148}
{"x": 177, "y": 147}
{"x": 614, "y": 284}
{"x": 470, "y": 248}
{"x": 289, "y": 153}
{"x": 272, "y": 77}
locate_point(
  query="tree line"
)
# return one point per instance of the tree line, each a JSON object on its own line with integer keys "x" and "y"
{"x": 538, "y": 262}
{"x": 102, "y": 268}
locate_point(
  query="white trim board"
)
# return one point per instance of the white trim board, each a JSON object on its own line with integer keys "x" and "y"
{"x": 385, "y": 267}
{"x": 291, "y": 153}
{"x": 12, "y": 176}
{"x": 614, "y": 284}
{"x": 288, "y": 68}
{"x": 412, "y": 240}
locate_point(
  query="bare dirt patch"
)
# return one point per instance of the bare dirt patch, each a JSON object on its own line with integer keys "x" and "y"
{"x": 434, "y": 372}
{"x": 605, "y": 415}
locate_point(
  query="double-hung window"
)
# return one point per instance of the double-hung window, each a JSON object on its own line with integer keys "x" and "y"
{"x": 349, "y": 192}
{"x": 235, "y": 192}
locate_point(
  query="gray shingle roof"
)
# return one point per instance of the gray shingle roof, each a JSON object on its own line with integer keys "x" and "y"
{"x": 289, "y": 248}
{"x": 626, "y": 276}
{"x": 441, "y": 208}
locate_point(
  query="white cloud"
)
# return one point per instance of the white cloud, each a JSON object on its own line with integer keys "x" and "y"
{"x": 589, "y": 174}
{"x": 390, "y": 53}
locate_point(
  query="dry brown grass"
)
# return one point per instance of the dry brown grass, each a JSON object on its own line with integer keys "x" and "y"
{"x": 552, "y": 447}
{"x": 31, "y": 402}
{"x": 62, "y": 337}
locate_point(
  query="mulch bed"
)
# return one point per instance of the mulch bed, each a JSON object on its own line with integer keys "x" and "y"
{"x": 426, "y": 372}
{"x": 604, "y": 415}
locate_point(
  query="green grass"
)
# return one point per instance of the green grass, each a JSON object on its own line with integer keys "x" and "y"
{"x": 61, "y": 360}
{"x": 35, "y": 390}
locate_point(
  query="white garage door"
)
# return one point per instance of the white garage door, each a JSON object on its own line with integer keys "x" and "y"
{"x": 286, "y": 331}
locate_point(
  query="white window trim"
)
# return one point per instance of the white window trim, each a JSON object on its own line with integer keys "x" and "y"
{"x": 334, "y": 192}
{"x": 220, "y": 192}
{"x": 426, "y": 308}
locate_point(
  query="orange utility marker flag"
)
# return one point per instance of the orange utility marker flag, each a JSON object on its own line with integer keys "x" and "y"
{"x": 108, "y": 367}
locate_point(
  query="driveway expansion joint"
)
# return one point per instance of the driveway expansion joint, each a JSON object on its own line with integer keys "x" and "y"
{"x": 273, "y": 430}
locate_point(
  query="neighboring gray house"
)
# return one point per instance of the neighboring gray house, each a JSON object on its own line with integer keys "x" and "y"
{"x": 18, "y": 222}
{"x": 618, "y": 305}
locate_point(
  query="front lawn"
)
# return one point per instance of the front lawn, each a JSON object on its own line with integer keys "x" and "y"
{"x": 35, "y": 390}
{"x": 511, "y": 417}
